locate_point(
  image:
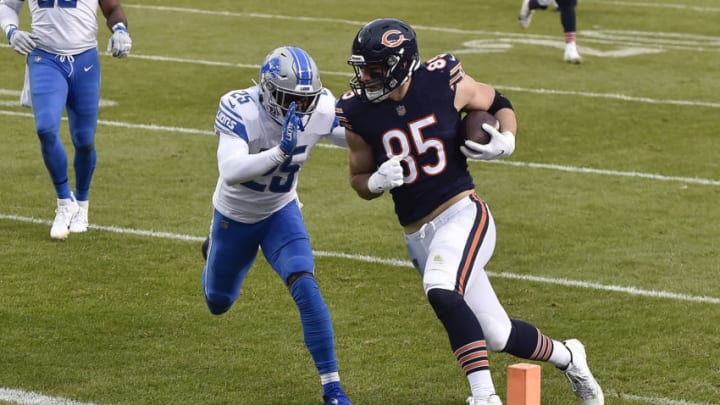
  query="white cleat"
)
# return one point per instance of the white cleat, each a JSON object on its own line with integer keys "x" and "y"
{"x": 525, "y": 16}
{"x": 581, "y": 379}
{"x": 64, "y": 213}
{"x": 571, "y": 53}
{"x": 491, "y": 400}
{"x": 79, "y": 223}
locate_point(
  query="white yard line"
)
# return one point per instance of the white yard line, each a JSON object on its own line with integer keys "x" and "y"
{"x": 405, "y": 263}
{"x": 32, "y": 398}
{"x": 533, "y": 165}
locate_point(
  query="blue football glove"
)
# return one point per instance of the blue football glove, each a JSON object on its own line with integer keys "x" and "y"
{"x": 289, "y": 130}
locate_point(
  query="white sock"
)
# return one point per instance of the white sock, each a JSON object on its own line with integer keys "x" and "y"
{"x": 329, "y": 377}
{"x": 560, "y": 356}
{"x": 481, "y": 383}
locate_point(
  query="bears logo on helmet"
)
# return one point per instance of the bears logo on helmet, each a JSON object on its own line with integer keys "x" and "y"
{"x": 384, "y": 56}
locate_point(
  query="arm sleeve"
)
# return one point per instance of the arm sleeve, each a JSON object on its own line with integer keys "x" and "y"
{"x": 237, "y": 165}
{"x": 9, "y": 12}
{"x": 337, "y": 135}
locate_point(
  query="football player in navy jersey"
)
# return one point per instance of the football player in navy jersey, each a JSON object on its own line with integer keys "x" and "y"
{"x": 266, "y": 133}
{"x": 402, "y": 119}
{"x": 63, "y": 73}
{"x": 567, "y": 20}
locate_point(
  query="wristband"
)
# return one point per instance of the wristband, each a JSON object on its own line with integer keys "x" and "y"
{"x": 119, "y": 27}
{"x": 10, "y": 31}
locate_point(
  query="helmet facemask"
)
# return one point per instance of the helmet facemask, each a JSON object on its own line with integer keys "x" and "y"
{"x": 375, "y": 81}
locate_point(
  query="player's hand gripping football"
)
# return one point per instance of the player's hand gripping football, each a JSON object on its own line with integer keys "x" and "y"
{"x": 120, "y": 42}
{"x": 289, "y": 130}
{"x": 21, "y": 41}
{"x": 388, "y": 176}
{"x": 501, "y": 144}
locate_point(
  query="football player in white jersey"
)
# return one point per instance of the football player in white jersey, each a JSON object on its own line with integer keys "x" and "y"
{"x": 63, "y": 72}
{"x": 266, "y": 133}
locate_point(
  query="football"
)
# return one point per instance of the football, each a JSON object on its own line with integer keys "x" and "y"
{"x": 471, "y": 126}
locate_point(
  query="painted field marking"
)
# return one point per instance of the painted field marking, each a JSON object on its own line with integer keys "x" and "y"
{"x": 32, "y": 398}
{"x": 405, "y": 263}
{"x": 548, "y": 166}
{"x": 627, "y": 43}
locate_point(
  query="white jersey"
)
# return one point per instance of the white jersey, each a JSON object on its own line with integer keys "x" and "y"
{"x": 69, "y": 27}
{"x": 241, "y": 115}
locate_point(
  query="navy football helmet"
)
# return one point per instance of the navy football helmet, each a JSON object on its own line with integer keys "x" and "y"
{"x": 384, "y": 56}
{"x": 289, "y": 74}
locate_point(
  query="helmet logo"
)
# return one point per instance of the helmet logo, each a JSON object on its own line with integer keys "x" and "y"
{"x": 393, "y": 38}
{"x": 272, "y": 67}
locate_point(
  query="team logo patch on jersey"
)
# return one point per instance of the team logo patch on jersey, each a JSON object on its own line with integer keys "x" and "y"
{"x": 401, "y": 110}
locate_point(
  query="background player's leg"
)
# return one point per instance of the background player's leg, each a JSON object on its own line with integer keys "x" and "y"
{"x": 49, "y": 89}
{"x": 82, "y": 109}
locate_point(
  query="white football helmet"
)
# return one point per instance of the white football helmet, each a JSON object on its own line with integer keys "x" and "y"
{"x": 289, "y": 74}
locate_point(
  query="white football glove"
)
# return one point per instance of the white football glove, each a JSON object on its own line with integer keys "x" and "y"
{"x": 388, "y": 176}
{"x": 120, "y": 42}
{"x": 501, "y": 144}
{"x": 21, "y": 41}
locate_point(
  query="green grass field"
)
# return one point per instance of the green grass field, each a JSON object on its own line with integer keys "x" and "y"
{"x": 608, "y": 214}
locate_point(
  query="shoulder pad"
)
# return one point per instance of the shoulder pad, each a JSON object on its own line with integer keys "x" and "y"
{"x": 235, "y": 110}
{"x": 446, "y": 63}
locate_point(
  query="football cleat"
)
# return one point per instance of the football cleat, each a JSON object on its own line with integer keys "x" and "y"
{"x": 525, "y": 16}
{"x": 79, "y": 223}
{"x": 571, "y": 53}
{"x": 581, "y": 379}
{"x": 336, "y": 399}
{"x": 334, "y": 395}
{"x": 491, "y": 400}
{"x": 64, "y": 213}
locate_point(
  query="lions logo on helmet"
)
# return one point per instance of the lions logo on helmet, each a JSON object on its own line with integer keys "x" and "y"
{"x": 289, "y": 74}
{"x": 384, "y": 56}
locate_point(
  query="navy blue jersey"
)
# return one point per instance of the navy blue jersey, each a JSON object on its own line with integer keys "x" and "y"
{"x": 425, "y": 126}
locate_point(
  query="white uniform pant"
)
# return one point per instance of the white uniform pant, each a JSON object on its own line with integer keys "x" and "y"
{"x": 451, "y": 251}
